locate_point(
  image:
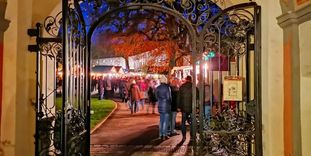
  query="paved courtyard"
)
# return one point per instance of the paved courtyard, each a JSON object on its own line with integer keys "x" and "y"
{"x": 125, "y": 134}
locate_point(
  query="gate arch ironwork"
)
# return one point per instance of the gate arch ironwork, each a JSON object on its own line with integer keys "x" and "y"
{"x": 235, "y": 127}
{"x": 232, "y": 34}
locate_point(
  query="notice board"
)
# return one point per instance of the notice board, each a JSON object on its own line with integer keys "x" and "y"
{"x": 233, "y": 88}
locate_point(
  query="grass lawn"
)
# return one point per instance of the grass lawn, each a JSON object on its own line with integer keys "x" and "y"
{"x": 101, "y": 109}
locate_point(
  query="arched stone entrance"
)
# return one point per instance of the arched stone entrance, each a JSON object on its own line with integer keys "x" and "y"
{"x": 272, "y": 82}
{"x": 77, "y": 43}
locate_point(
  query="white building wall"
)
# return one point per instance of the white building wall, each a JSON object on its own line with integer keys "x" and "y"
{"x": 18, "y": 122}
{"x": 305, "y": 87}
{"x": 8, "y": 118}
{"x": 272, "y": 78}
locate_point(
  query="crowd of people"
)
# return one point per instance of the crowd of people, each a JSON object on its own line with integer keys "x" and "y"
{"x": 171, "y": 96}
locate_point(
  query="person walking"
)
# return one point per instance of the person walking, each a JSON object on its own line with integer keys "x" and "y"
{"x": 143, "y": 86}
{"x": 122, "y": 89}
{"x": 100, "y": 88}
{"x": 135, "y": 97}
{"x": 128, "y": 84}
{"x": 163, "y": 94}
{"x": 151, "y": 96}
{"x": 185, "y": 104}
{"x": 108, "y": 88}
{"x": 174, "y": 84}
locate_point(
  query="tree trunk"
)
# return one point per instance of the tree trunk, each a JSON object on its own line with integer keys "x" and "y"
{"x": 127, "y": 63}
{"x": 172, "y": 62}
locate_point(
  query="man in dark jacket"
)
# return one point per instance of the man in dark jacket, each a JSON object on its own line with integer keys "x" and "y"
{"x": 174, "y": 84}
{"x": 185, "y": 104}
{"x": 152, "y": 96}
{"x": 163, "y": 94}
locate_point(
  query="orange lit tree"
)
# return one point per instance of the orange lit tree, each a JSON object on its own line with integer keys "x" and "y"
{"x": 152, "y": 32}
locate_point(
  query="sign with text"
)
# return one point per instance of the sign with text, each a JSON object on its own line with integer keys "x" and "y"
{"x": 233, "y": 88}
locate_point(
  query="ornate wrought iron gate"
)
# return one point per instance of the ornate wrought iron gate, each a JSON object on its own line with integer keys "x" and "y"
{"x": 76, "y": 99}
{"x": 62, "y": 105}
{"x": 225, "y": 44}
{"x": 230, "y": 101}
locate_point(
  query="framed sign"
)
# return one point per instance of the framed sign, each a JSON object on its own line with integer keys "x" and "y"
{"x": 233, "y": 88}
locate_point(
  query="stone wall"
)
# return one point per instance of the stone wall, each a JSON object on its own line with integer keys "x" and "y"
{"x": 18, "y": 116}
{"x": 272, "y": 78}
{"x": 18, "y": 81}
{"x": 17, "y": 126}
{"x": 305, "y": 64}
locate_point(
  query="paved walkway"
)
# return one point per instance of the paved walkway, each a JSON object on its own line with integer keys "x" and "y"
{"x": 123, "y": 134}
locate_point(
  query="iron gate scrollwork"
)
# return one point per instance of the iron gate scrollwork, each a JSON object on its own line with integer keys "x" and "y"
{"x": 48, "y": 112}
{"x": 61, "y": 107}
{"x": 231, "y": 127}
{"x": 75, "y": 106}
{"x": 225, "y": 44}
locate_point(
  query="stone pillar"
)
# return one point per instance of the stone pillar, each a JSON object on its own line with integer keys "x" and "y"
{"x": 4, "y": 24}
{"x": 290, "y": 21}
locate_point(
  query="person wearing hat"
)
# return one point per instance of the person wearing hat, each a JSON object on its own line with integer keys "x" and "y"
{"x": 164, "y": 98}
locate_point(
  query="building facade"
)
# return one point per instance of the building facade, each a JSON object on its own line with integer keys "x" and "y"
{"x": 285, "y": 68}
